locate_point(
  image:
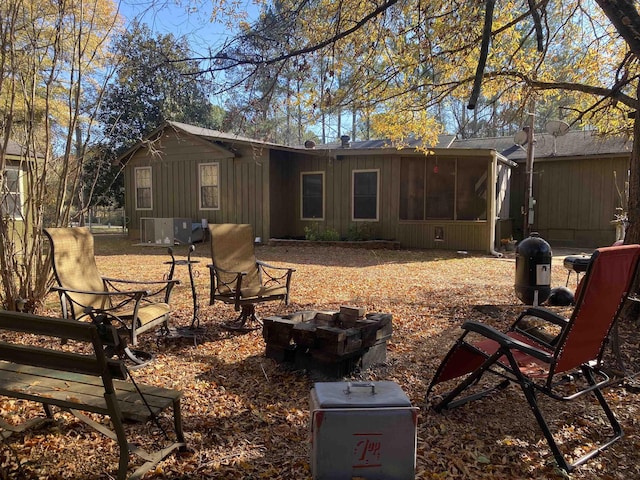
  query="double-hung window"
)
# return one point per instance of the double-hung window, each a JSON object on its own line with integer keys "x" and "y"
{"x": 312, "y": 186}
{"x": 144, "y": 193}
{"x": 12, "y": 193}
{"x": 365, "y": 195}
{"x": 209, "y": 186}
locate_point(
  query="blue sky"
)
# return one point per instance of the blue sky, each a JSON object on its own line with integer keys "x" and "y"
{"x": 189, "y": 18}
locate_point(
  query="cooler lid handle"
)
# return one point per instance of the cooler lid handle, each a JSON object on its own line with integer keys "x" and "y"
{"x": 370, "y": 385}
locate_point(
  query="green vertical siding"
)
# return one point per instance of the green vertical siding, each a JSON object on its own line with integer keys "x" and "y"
{"x": 457, "y": 235}
{"x": 467, "y": 235}
{"x": 282, "y": 196}
{"x": 243, "y": 196}
{"x": 575, "y": 199}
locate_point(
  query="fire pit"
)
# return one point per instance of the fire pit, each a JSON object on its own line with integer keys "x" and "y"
{"x": 334, "y": 343}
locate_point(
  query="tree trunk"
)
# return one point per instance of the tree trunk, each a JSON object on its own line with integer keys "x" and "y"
{"x": 632, "y": 234}
{"x": 630, "y": 309}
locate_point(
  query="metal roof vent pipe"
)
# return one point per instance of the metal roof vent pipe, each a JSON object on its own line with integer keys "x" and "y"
{"x": 344, "y": 139}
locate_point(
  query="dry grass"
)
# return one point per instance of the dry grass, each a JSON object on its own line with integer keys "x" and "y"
{"x": 247, "y": 417}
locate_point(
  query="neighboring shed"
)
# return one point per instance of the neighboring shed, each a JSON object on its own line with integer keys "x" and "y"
{"x": 448, "y": 199}
{"x": 12, "y": 201}
{"x": 574, "y": 185}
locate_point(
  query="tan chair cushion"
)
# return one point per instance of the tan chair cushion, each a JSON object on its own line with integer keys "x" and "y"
{"x": 148, "y": 313}
{"x": 75, "y": 265}
{"x": 232, "y": 250}
{"x": 261, "y": 292}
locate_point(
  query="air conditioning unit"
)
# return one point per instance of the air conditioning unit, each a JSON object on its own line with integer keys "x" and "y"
{"x": 169, "y": 231}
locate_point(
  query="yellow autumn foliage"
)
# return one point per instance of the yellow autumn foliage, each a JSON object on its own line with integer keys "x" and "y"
{"x": 403, "y": 62}
{"x": 55, "y": 61}
{"x": 52, "y": 51}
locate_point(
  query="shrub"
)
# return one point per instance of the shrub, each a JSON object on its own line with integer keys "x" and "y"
{"x": 329, "y": 235}
{"x": 361, "y": 232}
{"x": 313, "y": 233}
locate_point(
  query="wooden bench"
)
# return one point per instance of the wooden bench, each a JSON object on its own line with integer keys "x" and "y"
{"x": 78, "y": 377}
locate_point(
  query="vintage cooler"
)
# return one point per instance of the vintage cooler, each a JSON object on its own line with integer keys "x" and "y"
{"x": 362, "y": 430}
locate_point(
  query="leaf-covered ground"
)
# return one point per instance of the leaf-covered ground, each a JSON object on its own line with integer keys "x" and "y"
{"x": 245, "y": 416}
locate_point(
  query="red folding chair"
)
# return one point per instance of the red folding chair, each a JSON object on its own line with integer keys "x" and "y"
{"x": 545, "y": 363}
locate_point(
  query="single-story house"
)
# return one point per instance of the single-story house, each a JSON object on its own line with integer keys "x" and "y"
{"x": 466, "y": 194}
{"x": 452, "y": 198}
{"x": 579, "y": 181}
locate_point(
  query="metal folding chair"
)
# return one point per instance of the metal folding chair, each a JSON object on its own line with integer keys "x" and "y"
{"x": 541, "y": 360}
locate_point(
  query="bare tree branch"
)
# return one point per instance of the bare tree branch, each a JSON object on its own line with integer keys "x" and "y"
{"x": 223, "y": 56}
{"x": 613, "y": 92}
{"x": 537, "y": 22}
{"x": 486, "y": 38}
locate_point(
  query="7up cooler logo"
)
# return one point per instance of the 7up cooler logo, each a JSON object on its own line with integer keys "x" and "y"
{"x": 367, "y": 450}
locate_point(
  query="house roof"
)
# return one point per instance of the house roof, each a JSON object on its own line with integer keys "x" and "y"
{"x": 573, "y": 144}
{"x": 547, "y": 146}
{"x": 14, "y": 148}
{"x": 204, "y": 133}
{"x": 216, "y": 134}
{"x": 444, "y": 141}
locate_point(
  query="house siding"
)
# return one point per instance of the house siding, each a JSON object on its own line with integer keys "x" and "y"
{"x": 284, "y": 193}
{"x": 338, "y": 170}
{"x": 244, "y": 197}
{"x": 456, "y": 235}
{"x": 19, "y": 228}
{"x": 338, "y": 194}
{"x": 576, "y": 199}
{"x": 260, "y": 184}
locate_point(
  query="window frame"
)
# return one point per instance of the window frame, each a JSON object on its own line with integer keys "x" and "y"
{"x": 354, "y": 173}
{"x": 302, "y": 195}
{"x": 200, "y": 186}
{"x": 136, "y": 187}
{"x": 18, "y": 213}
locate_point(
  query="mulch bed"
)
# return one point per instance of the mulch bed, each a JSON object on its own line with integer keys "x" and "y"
{"x": 246, "y": 416}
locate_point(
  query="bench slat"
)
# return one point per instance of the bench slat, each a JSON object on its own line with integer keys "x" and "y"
{"x": 82, "y": 392}
{"x": 34, "y": 324}
{"x": 47, "y": 358}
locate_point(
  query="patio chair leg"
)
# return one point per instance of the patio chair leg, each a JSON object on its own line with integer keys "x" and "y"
{"x": 246, "y": 321}
{"x": 448, "y": 402}
{"x": 138, "y": 357}
{"x": 530, "y": 395}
